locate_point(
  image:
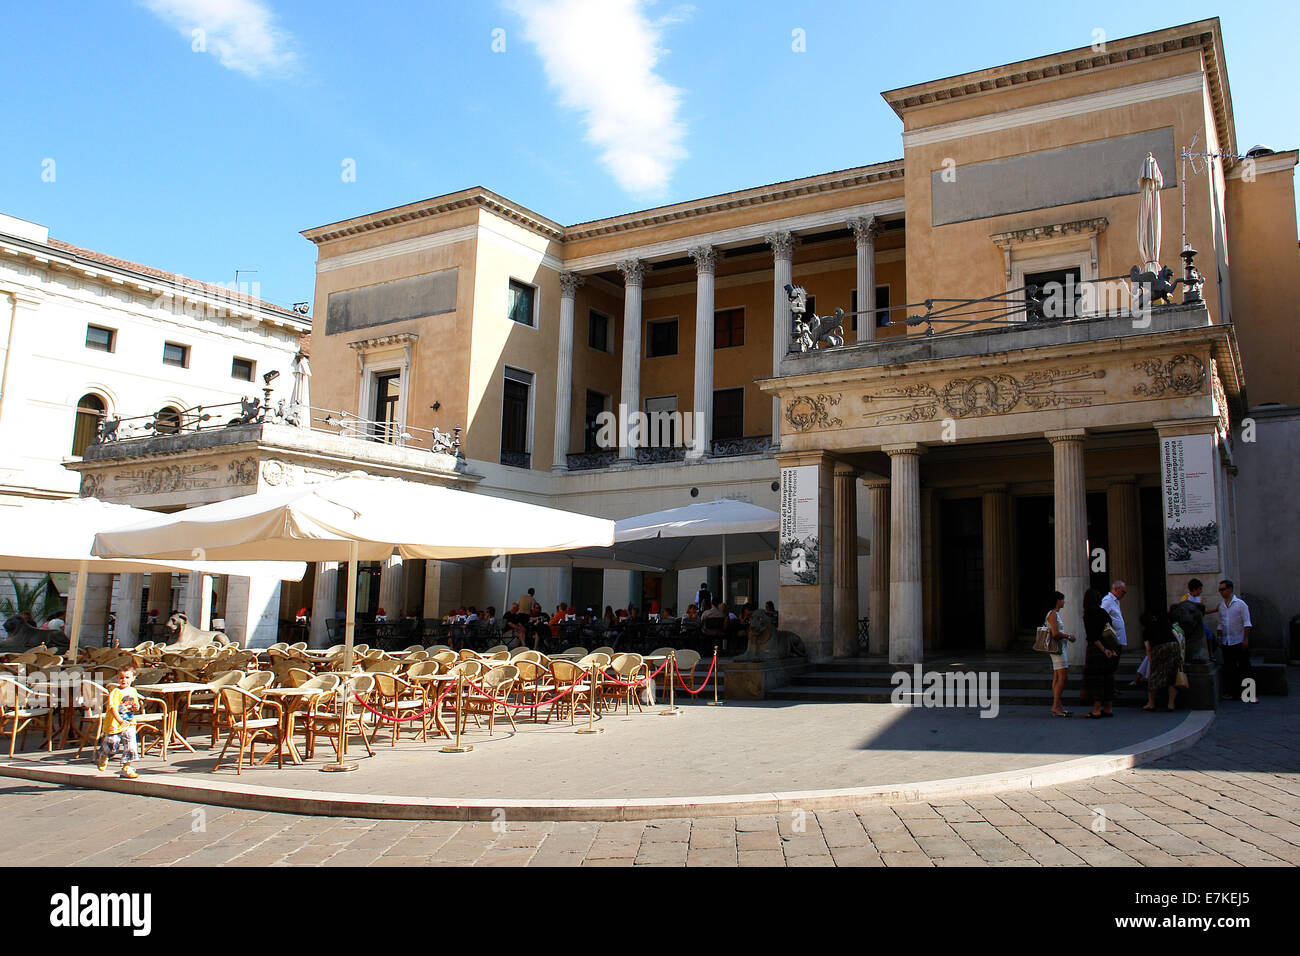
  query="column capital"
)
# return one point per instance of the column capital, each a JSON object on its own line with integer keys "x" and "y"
{"x": 1121, "y": 480}
{"x": 994, "y": 489}
{"x": 907, "y": 448}
{"x": 706, "y": 259}
{"x": 1172, "y": 428}
{"x": 634, "y": 271}
{"x": 782, "y": 244}
{"x": 865, "y": 229}
{"x": 875, "y": 481}
{"x": 569, "y": 282}
{"x": 844, "y": 469}
{"x": 1066, "y": 434}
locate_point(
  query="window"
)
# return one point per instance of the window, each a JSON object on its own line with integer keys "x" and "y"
{"x": 597, "y": 402}
{"x": 728, "y": 413}
{"x": 515, "y": 419}
{"x": 598, "y": 331}
{"x": 89, "y": 409}
{"x": 167, "y": 421}
{"x": 661, "y": 338}
{"x": 728, "y": 328}
{"x": 882, "y": 308}
{"x": 388, "y": 402}
{"x": 100, "y": 338}
{"x": 523, "y": 303}
{"x": 1059, "y": 291}
{"x": 242, "y": 369}
{"x": 177, "y": 355}
{"x": 661, "y": 422}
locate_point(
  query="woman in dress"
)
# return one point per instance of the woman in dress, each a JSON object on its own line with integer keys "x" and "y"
{"x": 1060, "y": 663}
{"x": 1098, "y": 679}
{"x": 1166, "y": 659}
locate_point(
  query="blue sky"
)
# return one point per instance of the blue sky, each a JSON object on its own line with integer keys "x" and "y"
{"x": 207, "y": 161}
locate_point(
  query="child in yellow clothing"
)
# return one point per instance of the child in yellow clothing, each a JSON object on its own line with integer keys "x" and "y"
{"x": 119, "y": 724}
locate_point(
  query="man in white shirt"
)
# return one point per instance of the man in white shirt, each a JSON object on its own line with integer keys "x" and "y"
{"x": 1234, "y": 632}
{"x": 1110, "y": 604}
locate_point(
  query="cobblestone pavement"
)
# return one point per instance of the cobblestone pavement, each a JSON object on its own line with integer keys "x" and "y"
{"x": 1234, "y": 799}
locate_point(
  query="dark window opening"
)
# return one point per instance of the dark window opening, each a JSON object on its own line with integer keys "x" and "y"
{"x": 100, "y": 338}
{"x": 728, "y": 328}
{"x": 662, "y": 338}
{"x": 522, "y": 300}
{"x": 728, "y": 413}
{"x": 388, "y": 397}
{"x": 89, "y": 409}
{"x": 514, "y": 419}
{"x": 598, "y": 330}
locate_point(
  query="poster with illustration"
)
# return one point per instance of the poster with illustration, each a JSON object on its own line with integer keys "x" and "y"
{"x": 1191, "y": 514}
{"x": 799, "y": 542}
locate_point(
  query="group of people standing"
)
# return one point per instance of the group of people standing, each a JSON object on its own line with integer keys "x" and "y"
{"x": 1106, "y": 639}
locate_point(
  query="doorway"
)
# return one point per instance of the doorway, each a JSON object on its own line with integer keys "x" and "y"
{"x": 961, "y": 601}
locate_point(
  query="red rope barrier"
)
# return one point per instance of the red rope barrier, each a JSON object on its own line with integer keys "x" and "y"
{"x": 706, "y": 678}
{"x": 401, "y": 720}
{"x": 534, "y": 706}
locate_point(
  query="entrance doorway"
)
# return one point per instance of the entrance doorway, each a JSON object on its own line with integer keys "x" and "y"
{"x": 1035, "y": 559}
{"x": 961, "y": 603}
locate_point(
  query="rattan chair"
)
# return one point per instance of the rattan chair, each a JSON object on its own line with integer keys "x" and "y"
{"x": 201, "y": 706}
{"x": 324, "y": 721}
{"x": 496, "y": 686}
{"x": 396, "y": 698}
{"x": 94, "y": 696}
{"x": 685, "y": 664}
{"x": 246, "y": 721}
{"x": 20, "y": 707}
{"x": 627, "y": 669}
{"x": 567, "y": 676}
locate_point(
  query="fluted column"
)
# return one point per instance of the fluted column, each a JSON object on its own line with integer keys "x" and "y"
{"x": 905, "y": 595}
{"x": 997, "y": 568}
{"x": 846, "y": 561}
{"x": 879, "y": 590}
{"x": 324, "y": 598}
{"x": 782, "y": 244}
{"x": 931, "y": 573}
{"x": 706, "y": 260}
{"x": 864, "y": 236}
{"x": 130, "y": 588}
{"x": 198, "y": 600}
{"x": 1124, "y": 539}
{"x": 1070, "y": 528}
{"x": 160, "y": 596}
{"x": 392, "y": 577}
{"x": 569, "y": 283}
{"x": 633, "y": 279}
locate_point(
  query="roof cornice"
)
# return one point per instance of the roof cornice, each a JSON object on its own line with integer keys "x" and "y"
{"x": 477, "y": 197}
{"x": 1204, "y": 35}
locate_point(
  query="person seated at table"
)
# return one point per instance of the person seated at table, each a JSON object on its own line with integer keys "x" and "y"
{"x": 490, "y": 616}
{"x": 770, "y": 608}
{"x": 381, "y": 616}
{"x": 654, "y": 607}
{"x": 301, "y": 616}
{"x": 610, "y": 617}
{"x": 692, "y": 612}
{"x": 472, "y": 615}
{"x": 539, "y": 627}
{"x": 669, "y": 614}
{"x": 561, "y": 612}
{"x": 515, "y": 624}
{"x": 714, "y": 619}
{"x": 633, "y": 614}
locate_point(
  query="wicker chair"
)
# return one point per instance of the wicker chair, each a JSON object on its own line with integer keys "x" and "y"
{"x": 20, "y": 707}
{"x": 246, "y": 722}
{"x": 628, "y": 669}
{"x": 685, "y": 664}
{"x": 94, "y": 698}
{"x": 496, "y": 684}
{"x": 395, "y": 698}
{"x": 324, "y": 722}
{"x": 201, "y": 706}
{"x": 567, "y": 676}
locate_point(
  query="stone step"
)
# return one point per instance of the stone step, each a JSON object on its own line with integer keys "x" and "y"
{"x": 862, "y": 695}
{"x": 1005, "y": 680}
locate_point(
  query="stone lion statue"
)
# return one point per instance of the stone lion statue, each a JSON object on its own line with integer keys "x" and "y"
{"x": 188, "y": 636}
{"x": 767, "y": 643}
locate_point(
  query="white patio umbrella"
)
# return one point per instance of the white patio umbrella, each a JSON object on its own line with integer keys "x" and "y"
{"x": 300, "y": 400}
{"x": 57, "y": 536}
{"x": 359, "y": 517}
{"x": 1148, "y": 224}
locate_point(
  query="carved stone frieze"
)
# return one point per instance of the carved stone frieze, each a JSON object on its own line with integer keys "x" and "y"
{"x": 243, "y": 471}
{"x": 277, "y": 474}
{"x": 1181, "y": 374}
{"x": 163, "y": 479}
{"x": 977, "y": 396}
{"x": 812, "y": 411}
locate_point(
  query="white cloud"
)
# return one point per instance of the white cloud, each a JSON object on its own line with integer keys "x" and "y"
{"x": 600, "y": 55}
{"x": 241, "y": 34}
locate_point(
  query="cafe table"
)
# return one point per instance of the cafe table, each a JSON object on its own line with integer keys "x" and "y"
{"x": 170, "y": 694}
{"x": 288, "y": 711}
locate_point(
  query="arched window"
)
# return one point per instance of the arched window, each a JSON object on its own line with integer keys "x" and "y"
{"x": 168, "y": 421}
{"x": 89, "y": 408}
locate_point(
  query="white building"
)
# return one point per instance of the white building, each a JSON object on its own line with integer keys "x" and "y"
{"x": 84, "y": 333}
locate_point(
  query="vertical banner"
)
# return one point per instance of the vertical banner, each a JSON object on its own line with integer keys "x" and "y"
{"x": 799, "y": 507}
{"x": 1191, "y": 515}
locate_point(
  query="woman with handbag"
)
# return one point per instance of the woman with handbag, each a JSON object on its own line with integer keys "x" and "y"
{"x": 1098, "y": 675}
{"x": 1056, "y": 651}
{"x": 1166, "y": 659}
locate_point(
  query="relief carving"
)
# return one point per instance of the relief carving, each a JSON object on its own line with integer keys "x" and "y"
{"x": 1182, "y": 375}
{"x": 978, "y": 396}
{"x": 167, "y": 478}
{"x": 812, "y": 411}
{"x": 91, "y": 486}
{"x": 243, "y": 471}
{"x": 277, "y": 473}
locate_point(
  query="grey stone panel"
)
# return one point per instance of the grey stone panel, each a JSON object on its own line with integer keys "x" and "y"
{"x": 390, "y": 302}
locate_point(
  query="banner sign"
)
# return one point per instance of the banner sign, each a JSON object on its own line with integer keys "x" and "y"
{"x": 1191, "y": 513}
{"x": 799, "y": 506}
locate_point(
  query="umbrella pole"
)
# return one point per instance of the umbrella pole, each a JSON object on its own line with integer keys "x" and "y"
{"x": 78, "y": 606}
{"x": 725, "y": 599}
{"x": 349, "y": 632}
{"x": 505, "y": 591}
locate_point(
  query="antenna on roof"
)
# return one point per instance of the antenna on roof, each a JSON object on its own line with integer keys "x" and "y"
{"x": 239, "y": 272}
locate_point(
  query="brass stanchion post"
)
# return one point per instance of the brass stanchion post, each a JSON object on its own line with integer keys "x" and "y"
{"x": 715, "y": 702}
{"x": 591, "y": 704}
{"x": 457, "y": 747}
{"x": 672, "y": 710}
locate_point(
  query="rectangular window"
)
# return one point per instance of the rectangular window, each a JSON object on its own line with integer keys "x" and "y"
{"x": 728, "y": 413}
{"x": 100, "y": 338}
{"x": 597, "y": 402}
{"x": 1056, "y": 283}
{"x": 598, "y": 331}
{"x": 514, "y": 418}
{"x": 242, "y": 369}
{"x": 388, "y": 403}
{"x": 661, "y": 338}
{"x": 728, "y": 328}
{"x": 177, "y": 355}
{"x": 661, "y": 422}
{"x": 522, "y": 303}
{"x": 882, "y": 305}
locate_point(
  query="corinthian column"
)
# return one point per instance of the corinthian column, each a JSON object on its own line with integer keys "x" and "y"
{"x": 1071, "y": 531}
{"x": 569, "y": 283}
{"x": 706, "y": 260}
{"x": 1124, "y": 538}
{"x": 864, "y": 235}
{"x": 392, "y": 577}
{"x": 905, "y": 597}
{"x": 846, "y": 561}
{"x": 633, "y": 278}
{"x": 782, "y": 244}
{"x": 879, "y": 588}
{"x": 324, "y": 597}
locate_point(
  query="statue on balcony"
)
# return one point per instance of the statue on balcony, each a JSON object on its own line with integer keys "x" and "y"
{"x": 445, "y": 444}
{"x": 249, "y": 410}
{"x": 1152, "y": 288}
{"x": 808, "y": 333}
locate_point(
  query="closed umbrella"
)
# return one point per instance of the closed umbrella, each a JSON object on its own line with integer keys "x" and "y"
{"x": 300, "y": 400}
{"x": 57, "y": 536}
{"x": 1148, "y": 225}
{"x": 359, "y": 517}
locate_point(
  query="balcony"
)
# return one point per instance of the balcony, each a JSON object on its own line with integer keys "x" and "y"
{"x": 720, "y": 448}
